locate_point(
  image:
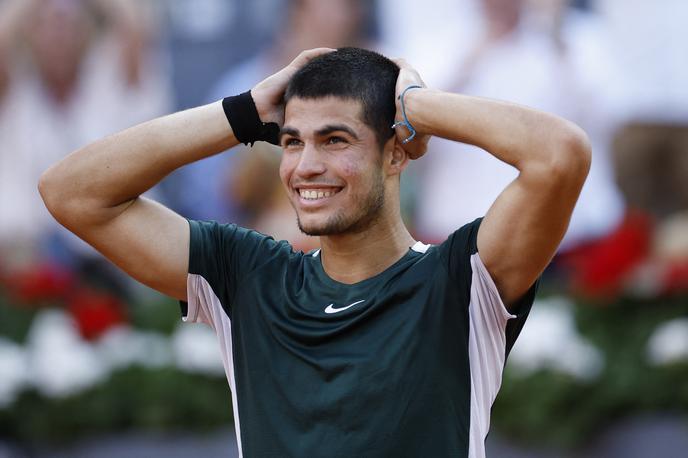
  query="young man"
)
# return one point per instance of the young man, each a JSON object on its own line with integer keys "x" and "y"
{"x": 376, "y": 345}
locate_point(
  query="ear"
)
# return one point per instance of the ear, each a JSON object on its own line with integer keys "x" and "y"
{"x": 396, "y": 158}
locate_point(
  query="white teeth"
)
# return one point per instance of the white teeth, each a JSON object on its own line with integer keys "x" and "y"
{"x": 314, "y": 194}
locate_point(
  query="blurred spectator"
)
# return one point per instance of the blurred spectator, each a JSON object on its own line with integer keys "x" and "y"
{"x": 648, "y": 101}
{"x": 431, "y": 36}
{"x": 536, "y": 53}
{"x": 255, "y": 187}
{"x": 651, "y": 160}
{"x": 73, "y": 71}
{"x": 207, "y": 37}
{"x": 652, "y": 167}
{"x": 208, "y": 185}
{"x": 649, "y": 41}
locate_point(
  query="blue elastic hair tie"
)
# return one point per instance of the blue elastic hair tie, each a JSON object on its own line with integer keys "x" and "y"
{"x": 406, "y": 122}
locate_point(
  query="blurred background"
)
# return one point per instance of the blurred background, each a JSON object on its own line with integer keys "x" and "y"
{"x": 94, "y": 364}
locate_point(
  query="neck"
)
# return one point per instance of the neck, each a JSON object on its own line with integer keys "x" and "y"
{"x": 350, "y": 258}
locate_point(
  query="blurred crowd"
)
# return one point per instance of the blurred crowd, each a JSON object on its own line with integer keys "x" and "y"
{"x": 72, "y": 71}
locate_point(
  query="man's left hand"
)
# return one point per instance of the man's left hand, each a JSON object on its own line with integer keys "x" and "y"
{"x": 409, "y": 76}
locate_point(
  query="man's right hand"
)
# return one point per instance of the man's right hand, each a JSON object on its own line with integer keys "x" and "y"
{"x": 94, "y": 192}
{"x": 268, "y": 95}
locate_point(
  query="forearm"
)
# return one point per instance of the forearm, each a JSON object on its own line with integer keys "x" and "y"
{"x": 93, "y": 182}
{"x": 520, "y": 136}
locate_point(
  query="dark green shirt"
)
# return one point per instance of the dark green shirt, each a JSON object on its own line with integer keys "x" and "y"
{"x": 404, "y": 364}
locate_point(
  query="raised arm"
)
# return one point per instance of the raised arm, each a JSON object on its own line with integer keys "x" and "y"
{"x": 94, "y": 192}
{"x": 521, "y": 231}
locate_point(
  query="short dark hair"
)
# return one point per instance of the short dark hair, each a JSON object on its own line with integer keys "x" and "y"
{"x": 352, "y": 73}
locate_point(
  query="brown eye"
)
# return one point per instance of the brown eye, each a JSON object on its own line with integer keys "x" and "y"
{"x": 291, "y": 142}
{"x": 335, "y": 139}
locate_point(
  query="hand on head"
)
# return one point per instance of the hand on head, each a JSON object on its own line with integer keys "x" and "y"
{"x": 408, "y": 76}
{"x": 268, "y": 94}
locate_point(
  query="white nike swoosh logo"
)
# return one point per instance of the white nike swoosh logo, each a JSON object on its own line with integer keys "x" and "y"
{"x": 330, "y": 308}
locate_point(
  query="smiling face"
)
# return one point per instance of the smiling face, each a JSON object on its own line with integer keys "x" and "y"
{"x": 332, "y": 166}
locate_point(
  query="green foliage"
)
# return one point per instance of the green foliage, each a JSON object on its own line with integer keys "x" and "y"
{"x": 14, "y": 321}
{"x": 544, "y": 408}
{"x": 162, "y": 315}
{"x": 135, "y": 398}
{"x": 548, "y": 408}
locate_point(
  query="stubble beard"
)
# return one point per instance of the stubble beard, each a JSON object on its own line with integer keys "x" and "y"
{"x": 367, "y": 214}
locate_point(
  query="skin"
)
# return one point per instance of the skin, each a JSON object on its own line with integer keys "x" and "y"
{"x": 522, "y": 229}
{"x": 95, "y": 191}
{"x": 332, "y": 151}
{"x": 328, "y": 148}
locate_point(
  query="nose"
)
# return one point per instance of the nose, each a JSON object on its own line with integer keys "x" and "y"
{"x": 310, "y": 162}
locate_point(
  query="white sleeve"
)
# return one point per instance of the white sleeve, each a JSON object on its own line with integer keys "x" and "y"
{"x": 486, "y": 351}
{"x": 203, "y": 305}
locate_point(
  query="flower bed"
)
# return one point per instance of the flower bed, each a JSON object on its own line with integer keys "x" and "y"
{"x": 577, "y": 367}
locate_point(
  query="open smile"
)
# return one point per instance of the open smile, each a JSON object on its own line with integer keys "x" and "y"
{"x": 316, "y": 195}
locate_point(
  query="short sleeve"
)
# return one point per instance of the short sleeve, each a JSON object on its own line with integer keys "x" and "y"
{"x": 456, "y": 254}
{"x": 220, "y": 257}
{"x": 462, "y": 260}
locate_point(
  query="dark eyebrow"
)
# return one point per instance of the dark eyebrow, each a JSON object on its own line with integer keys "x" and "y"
{"x": 335, "y": 128}
{"x": 330, "y": 128}
{"x": 289, "y": 131}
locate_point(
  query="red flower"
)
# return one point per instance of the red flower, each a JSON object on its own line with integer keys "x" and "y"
{"x": 95, "y": 312}
{"x": 600, "y": 268}
{"x": 43, "y": 282}
{"x": 676, "y": 279}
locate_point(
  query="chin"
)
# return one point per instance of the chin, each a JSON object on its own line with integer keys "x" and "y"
{"x": 338, "y": 221}
{"x": 338, "y": 225}
{"x": 331, "y": 226}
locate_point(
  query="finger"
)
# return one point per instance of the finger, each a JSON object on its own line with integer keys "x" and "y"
{"x": 402, "y": 63}
{"x": 305, "y": 56}
{"x": 415, "y": 148}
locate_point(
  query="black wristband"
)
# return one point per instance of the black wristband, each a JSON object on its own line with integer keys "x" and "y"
{"x": 243, "y": 118}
